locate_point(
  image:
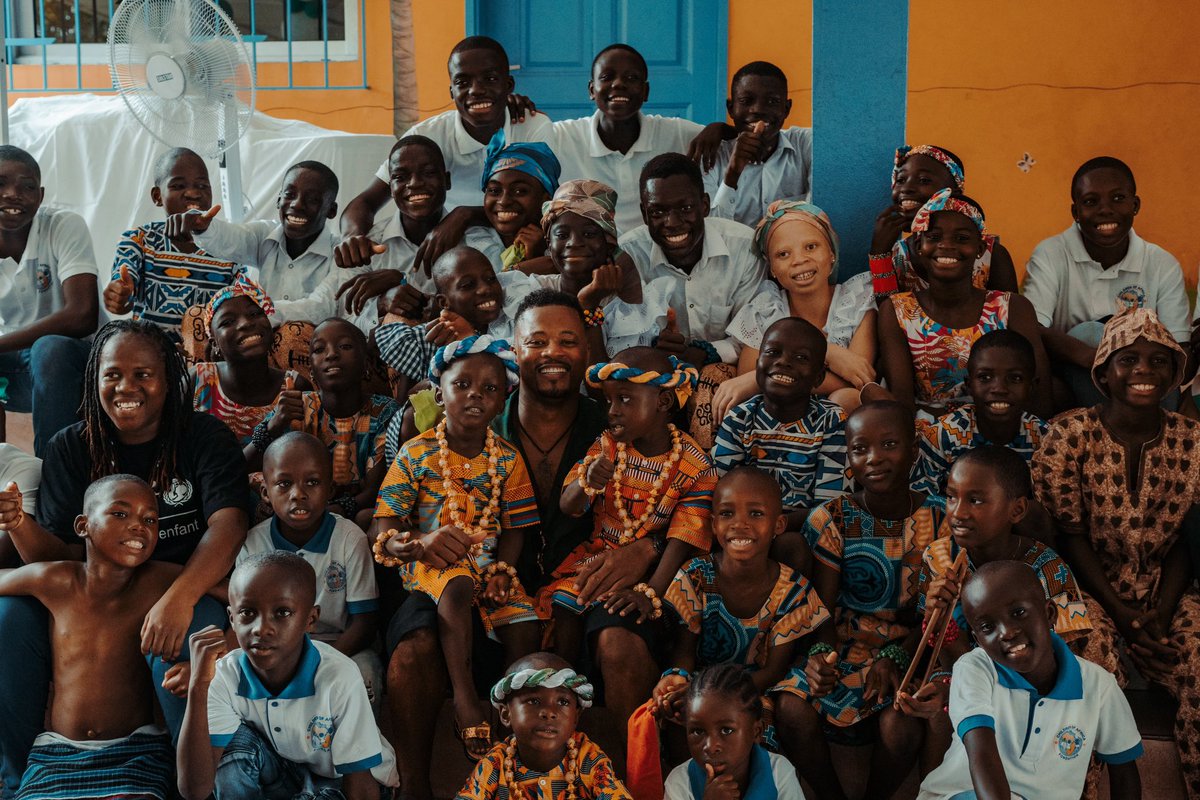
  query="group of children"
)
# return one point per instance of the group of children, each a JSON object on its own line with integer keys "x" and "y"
{"x": 833, "y": 489}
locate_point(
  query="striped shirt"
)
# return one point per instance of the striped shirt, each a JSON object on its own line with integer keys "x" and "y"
{"x": 167, "y": 281}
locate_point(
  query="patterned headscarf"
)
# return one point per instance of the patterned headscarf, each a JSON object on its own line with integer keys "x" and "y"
{"x": 784, "y": 210}
{"x": 241, "y": 287}
{"x": 473, "y": 345}
{"x": 532, "y": 158}
{"x": 1127, "y": 327}
{"x": 589, "y": 199}
{"x": 683, "y": 378}
{"x": 550, "y": 678}
{"x": 937, "y": 154}
{"x": 945, "y": 200}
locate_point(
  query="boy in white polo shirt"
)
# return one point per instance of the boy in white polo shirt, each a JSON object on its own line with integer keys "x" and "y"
{"x": 766, "y": 162}
{"x": 614, "y": 143}
{"x": 49, "y": 303}
{"x": 1098, "y": 267}
{"x": 283, "y": 714}
{"x": 298, "y": 482}
{"x": 1028, "y": 714}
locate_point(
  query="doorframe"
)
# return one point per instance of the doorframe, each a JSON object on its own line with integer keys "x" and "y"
{"x": 713, "y": 111}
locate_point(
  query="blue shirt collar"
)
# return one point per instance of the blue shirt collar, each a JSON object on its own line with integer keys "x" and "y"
{"x": 1067, "y": 686}
{"x": 761, "y": 778}
{"x": 319, "y": 543}
{"x": 303, "y": 683}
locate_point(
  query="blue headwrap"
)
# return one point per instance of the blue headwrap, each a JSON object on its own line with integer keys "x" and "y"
{"x": 473, "y": 345}
{"x": 532, "y": 158}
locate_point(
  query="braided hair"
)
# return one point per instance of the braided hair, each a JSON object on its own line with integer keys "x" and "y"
{"x": 99, "y": 434}
{"x": 731, "y": 680}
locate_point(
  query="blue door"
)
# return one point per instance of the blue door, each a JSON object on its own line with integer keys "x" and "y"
{"x": 551, "y": 44}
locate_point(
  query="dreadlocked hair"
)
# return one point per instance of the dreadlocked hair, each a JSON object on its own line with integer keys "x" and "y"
{"x": 100, "y": 435}
{"x": 731, "y": 680}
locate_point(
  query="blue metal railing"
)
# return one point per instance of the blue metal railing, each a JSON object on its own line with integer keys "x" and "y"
{"x": 43, "y": 42}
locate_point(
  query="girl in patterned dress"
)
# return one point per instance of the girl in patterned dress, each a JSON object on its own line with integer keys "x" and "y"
{"x": 925, "y": 337}
{"x": 461, "y": 475}
{"x": 919, "y": 172}
{"x": 737, "y": 605}
{"x": 241, "y": 388}
{"x": 867, "y": 548}
{"x": 1119, "y": 480}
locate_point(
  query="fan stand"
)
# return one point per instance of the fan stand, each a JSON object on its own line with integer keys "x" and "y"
{"x": 231, "y": 168}
{"x": 3, "y": 83}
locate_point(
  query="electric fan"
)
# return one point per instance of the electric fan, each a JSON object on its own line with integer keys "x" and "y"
{"x": 182, "y": 69}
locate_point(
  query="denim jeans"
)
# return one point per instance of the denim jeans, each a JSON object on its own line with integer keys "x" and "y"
{"x": 25, "y": 670}
{"x": 250, "y": 769}
{"x": 47, "y": 379}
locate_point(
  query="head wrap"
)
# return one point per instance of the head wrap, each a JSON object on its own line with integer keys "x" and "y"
{"x": 532, "y": 158}
{"x": 550, "y": 678}
{"x": 937, "y": 154}
{"x": 589, "y": 199}
{"x": 1127, "y": 327}
{"x": 783, "y": 210}
{"x": 944, "y": 200}
{"x": 241, "y": 287}
{"x": 683, "y": 379}
{"x": 473, "y": 345}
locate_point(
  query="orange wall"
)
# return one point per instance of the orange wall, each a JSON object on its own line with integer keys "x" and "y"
{"x": 1064, "y": 81}
{"x": 786, "y": 42}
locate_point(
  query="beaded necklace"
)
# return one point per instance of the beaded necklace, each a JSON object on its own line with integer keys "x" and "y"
{"x": 479, "y": 531}
{"x": 629, "y": 526}
{"x": 510, "y": 767}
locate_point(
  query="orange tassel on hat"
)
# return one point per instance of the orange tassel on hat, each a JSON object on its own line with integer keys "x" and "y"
{"x": 643, "y": 764}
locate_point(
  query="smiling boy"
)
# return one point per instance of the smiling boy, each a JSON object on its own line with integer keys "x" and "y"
{"x": 1028, "y": 714}
{"x": 766, "y": 162}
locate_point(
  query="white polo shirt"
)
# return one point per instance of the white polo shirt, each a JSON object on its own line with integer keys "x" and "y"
{"x": 341, "y": 557}
{"x": 321, "y": 720}
{"x": 785, "y": 175}
{"x": 464, "y": 156}
{"x": 23, "y": 469}
{"x": 1045, "y": 743}
{"x": 583, "y": 154}
{"x": 59, "y": 247}
{"x": 262, "y": 246}
{"x": 1067, "y": 287}
{"x": 725, "y": 278}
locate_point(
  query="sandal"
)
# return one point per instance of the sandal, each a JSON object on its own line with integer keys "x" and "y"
{"x": 475, "y": 733}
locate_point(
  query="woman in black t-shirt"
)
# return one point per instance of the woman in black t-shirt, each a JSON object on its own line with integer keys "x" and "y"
{"x": 137, "y": 418}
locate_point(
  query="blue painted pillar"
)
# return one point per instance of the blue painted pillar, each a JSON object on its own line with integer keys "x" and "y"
{"x": 860, "y": 85}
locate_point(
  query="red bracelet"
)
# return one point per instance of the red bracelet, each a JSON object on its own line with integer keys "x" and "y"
{"x": 883, "y": 276}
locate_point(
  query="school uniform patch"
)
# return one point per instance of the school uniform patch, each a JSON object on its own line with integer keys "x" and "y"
{"x": 335, "y": 577}
{"x": 1070, "y": 742}
{"x": 320, "y": 732}
{"x": 43, "y": 277}
{"x": 1131, "y": 297}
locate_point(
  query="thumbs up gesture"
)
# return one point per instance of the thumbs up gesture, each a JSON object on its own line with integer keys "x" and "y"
{"x": 11, "y": 512}
{"x": 356, "y": 251}
{"x": 670, "y": 340}
{"x": 180, "y": 227}
{"x": 118, "y": 295}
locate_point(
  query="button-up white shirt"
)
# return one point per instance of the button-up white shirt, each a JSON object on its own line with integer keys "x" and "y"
{"x": 262, "y": 247}
{"x": 725, "y": 278}
{"x": 583, "y": 154}
{"x": 786, "y": 175}
{"x": 464, "y": 156}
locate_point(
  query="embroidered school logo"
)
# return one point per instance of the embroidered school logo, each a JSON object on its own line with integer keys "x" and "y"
{"x": 179, "y": 493}
{"x": 43, "y": 277}
{"x": 320, "y": 733}
{"x": 1070, "y": 742}
{"x": 335, "y": 577}
{"x": 1130, "y": 297}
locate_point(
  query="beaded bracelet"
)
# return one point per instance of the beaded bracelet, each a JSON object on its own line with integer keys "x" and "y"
{"x": 583, "y": 484}
{"x": 897, "y": 655}
{"x": 883, "y": 275}
{"x": 820, "y": 649}
{"x": 683, "y": 673}
{"x": 711, "y": 356}
{"x": 382, "y": 539}
{"x": 349, "y": 505}
{"x": 941, "y": 675}
{"x": 645, "y": 588}
{"x": 952, "y": 631}
{"x": 261, "y": 437}
{"x": 593, "y": 318}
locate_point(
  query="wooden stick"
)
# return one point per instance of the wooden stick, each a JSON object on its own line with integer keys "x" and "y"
{"x": 938, "y": 623}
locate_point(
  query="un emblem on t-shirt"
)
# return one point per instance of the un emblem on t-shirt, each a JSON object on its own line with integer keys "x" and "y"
{"x": 320, "y": 733}
{"x": 335, "y": 577}
{"x": 179, "y": 493}
{"x": 1070, "y": 742}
